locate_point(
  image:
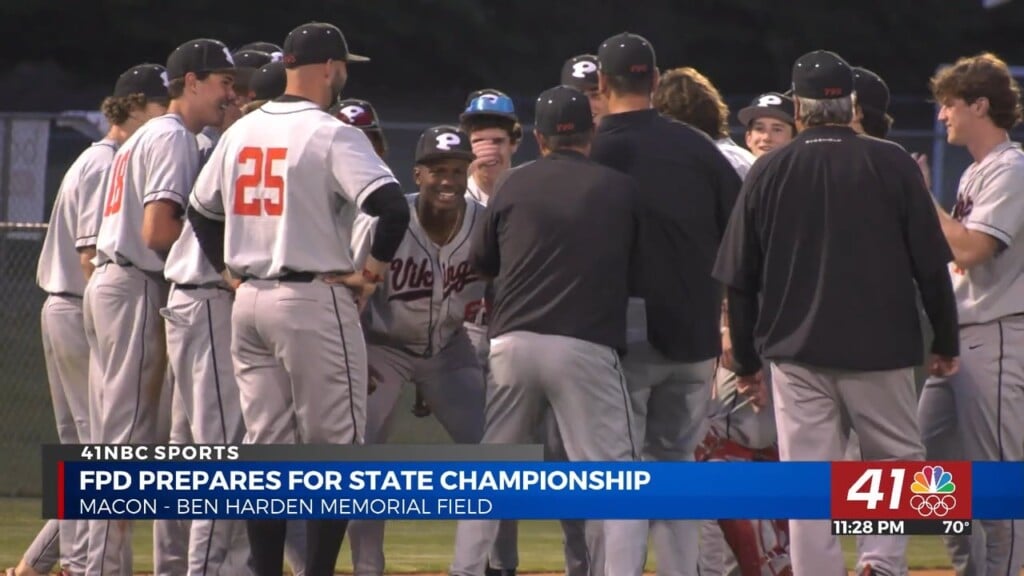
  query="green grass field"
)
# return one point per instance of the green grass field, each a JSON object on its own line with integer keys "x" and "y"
{"x": 423, "y": 546}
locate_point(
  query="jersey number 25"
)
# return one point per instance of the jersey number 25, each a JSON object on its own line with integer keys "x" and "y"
{"x": 258, "y": 190}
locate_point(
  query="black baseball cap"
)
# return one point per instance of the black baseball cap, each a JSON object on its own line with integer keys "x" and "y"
{"x": 580, "y": 72}
{"x": 315, "y": 43}
{"x": 356, "y": 112}
{"x": 197, "y": 56}
{"x": 268, "y": 47}
{"x": 443, "y": 142}
{"x": 563, "y": 110}
{"x": 255, "y": 59}
{"x": 150, "y": 80}
{"x": 626, "y": 54}
{"x": 872, "y": 92}
{"x": 822, "y": 75}
{"x": 268, "y": 82}
{"x": 768, "y": 105}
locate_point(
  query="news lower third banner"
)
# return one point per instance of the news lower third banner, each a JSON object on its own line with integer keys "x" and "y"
{"x": 438, "y": 482}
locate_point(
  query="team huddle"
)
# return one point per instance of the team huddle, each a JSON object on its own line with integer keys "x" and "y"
{"x": 235, "y": 262}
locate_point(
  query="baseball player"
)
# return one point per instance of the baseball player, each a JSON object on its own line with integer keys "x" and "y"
{"x": 362, "y": 115}
{"x": 769, "y": 122}
{"x": 872, "y": 113}
{"x": 64, "y": 268}
{"x": 247, "y": 63}
{"x": 790, "y": 278}
{"x": 414, "y": 323}
{"x": 297, "y": 346}
{"x": 688, "y": 96}
{"x": 580, "y": 72}
{"x": 978, "y": 413}
{"x": 267, "y": 83}
{"x": 736, "y": 432}
{"x": 275, "y": 51}
{"x": 145, "y": 192}
{"x": 673, "y": 342}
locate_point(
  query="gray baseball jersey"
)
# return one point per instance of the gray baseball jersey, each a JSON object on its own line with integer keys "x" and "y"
{"x": 159, "y": 162}
{"x": 74, "y": 221}
{"x": 978, "y": 413}
{"x": 989, "y": 200}
{"x": 207, "y": 141}
{"x": 413, "y": 310}
{"x": 269, "y": 232}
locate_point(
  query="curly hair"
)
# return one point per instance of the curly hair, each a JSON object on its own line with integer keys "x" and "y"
{"x": 117, "y": 109}
{"x": 688, "y": 96}
{"x": 981, "y": 76}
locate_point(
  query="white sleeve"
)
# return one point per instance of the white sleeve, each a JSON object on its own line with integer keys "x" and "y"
{"x": 998, "y": 208}
{"x": 91, "y": 192}
{"x": 362, "y": 238}
{"x": 207, "y": 195}
{"x": 355, "y": 165}
{"x": 171, "y": 167}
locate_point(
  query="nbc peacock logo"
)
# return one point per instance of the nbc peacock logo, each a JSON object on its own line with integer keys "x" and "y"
{"x": 933, "y": 490}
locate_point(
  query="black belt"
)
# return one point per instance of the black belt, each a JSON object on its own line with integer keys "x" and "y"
{"x": 65, "y": 295}
{"x": 289, "y": 277}
{"x": 197, "y": 286}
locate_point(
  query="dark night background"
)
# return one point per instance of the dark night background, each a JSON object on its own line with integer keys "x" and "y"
{"x": 428, "y": 54}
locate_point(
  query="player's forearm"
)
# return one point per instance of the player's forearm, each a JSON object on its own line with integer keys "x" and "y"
{"x": 969, "y": 247}
{"x": 161, "y": 225}
{"x": 210, "y": 236}
{"x": 389, "y": 206}
{"x": 743, "y": 311}
{"x": 85, "y": 256}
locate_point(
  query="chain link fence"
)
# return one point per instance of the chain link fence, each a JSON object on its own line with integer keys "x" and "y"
{"x": 26, "y": 414}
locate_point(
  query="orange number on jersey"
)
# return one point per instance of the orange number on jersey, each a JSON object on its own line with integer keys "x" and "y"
{"x": 116, "y": 192}
{"x": 261, "y": 176}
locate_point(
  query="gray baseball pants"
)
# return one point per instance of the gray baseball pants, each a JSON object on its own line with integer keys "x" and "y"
{"x": 978, "y": 414}
{"x": 585, "y": 388}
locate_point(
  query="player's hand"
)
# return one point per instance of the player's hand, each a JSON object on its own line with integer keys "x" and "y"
{"x": 726, "y": 358}
{"x": 233, "y": 283}
{"x": 752, "y": 386}
{"x": 922, "y": 164}
{"x": 943, "y": 366}
{"x": 362, "y": 288}
{"x": 373, "y": 380}
{"x": 487, "y": 154}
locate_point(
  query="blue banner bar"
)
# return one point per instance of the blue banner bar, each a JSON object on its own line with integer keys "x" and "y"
{"x": 459, "y": 490}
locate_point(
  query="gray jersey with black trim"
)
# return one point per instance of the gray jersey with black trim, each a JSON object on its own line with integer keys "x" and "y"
{"x": 158, "y": 162}
{"x": 74, "y": 221}
{"x": 412, "y": 310}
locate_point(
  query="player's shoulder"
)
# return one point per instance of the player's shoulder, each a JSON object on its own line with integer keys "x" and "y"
{"x": 98, "y": 155}
{"x": 1010, "y": 158}
{"x": 166, "y": 128}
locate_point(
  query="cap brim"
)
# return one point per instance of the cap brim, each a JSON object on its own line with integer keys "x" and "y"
{"x": 482, "y": 114}
{"x": 453, "y": 155}
{"x": 751, "y": 113}
{"x": 356, "y": 58}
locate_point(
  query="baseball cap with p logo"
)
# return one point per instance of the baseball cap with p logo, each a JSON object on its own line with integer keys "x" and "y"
{"x": 199, "y": 56}
{"x": 442, "y": 143}
{"x": 358, "y": 113}
{"x": 626, "y": 54}
{"x": 316, "y": 43}
{"x": 822, "y": 75}
{"x": 768, "y": 105}
{"x": 489, "y": 102}
{"x": 563, "y": 110}
{"x": 580, "y": 72}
